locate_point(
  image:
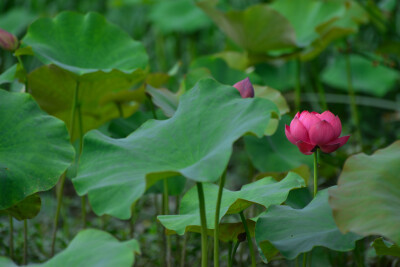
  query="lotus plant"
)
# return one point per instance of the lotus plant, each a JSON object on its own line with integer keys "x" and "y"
{"x": 8, "y": 41}
{"x": 311, "y": 131}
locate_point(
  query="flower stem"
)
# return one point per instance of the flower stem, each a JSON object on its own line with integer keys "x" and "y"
{"x": 25, "y": 241}
{"x": 298, "y": 85}
{"x": 352, "y": 95}
{"x": 230, "y": 253}
{"x": 249, "y": 240}
{"x": 11, "y": 237}
{"x": 216, "y": 223}
{"x": 203, "y": 220}
{"x": 315, "y": 172}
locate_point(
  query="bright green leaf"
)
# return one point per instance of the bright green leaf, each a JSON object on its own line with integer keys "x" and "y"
{"x": 296, "y": 231}
{"x": 195, "y": 142}
{"x": 374, "y": 208}
{"x": 366, "y": 78}
{"x": 384, "y": 247}
{"x": 35, "y": 148}
{"x": 91, "y": 248}
{"x": 84, "y": 44}
{"x": 265, "y": 192}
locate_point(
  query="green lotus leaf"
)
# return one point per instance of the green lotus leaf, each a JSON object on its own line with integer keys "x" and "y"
{"x": 275, "y": 153}
{"x": 91, "y": 248}
{"x": 100, "y": 98}
{"x": 30, "y": 139}
{"x": 195, "y": 142}
{"x": 26, "y": 209}
{"x": 265, "y": 192}
{"x": 366, "y": 78}
{"x": 164, "y": 99}
{"x": 296, "y": 231}
{"x": 374, "y": 209}
{"x": 8, "y": 76}
{"x": 384, "y": 247}
{"x": 178, "y": 16}
{"x": 84, "y": 44}
{"x": 257, "y": 29}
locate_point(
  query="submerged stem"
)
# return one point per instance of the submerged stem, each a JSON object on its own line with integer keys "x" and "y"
{"x": 203, "y": 220}
{"x": 249, "y": 240}
{"x": 216, "y": 223}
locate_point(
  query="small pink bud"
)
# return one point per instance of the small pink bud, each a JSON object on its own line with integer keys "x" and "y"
{"x": 8, "y": 41}
{"x": 245, "y": 88}
{"x": 309, "y": 131}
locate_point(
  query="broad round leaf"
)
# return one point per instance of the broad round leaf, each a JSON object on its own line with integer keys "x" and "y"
{"x": 100, "y": 97}
{"x": 366, "y": 78}
{"x": 84, "y": 43}
{"x": 35, "y": 148}
{"x": 374, "y": 208}
{"x": 26, "y": 209}
{"x": 265, "y": 192}
{"x": 257, "y": 29}
{"x": 196, "y": 143}
{"x": 384, "y": 247}
{"x": 91, "y": 248}
{"x": 295, "y": 231}
{"x": 173, "y": 16}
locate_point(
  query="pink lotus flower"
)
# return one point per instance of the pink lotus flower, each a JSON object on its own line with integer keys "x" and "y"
{"x": 245, "y": 88}
{"x": 8, "y": 41}
{"x": 309, "y": 131}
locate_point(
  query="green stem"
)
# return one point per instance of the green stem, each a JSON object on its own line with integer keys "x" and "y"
{"x": 166, "y": 212}
{"x": 216, "y": 223}
{"x": 315, "y": 172}
{"x": 304, "y": 259}
{"x": 25, "y": 242}
{"x": 230, "y": 248}
{"x": 203, "y": 220}
{"x": 298, "y": 85}
{"x": 234, "y": 252}
{"x": 59, "y": 200}
{"x": 352, "y": 95}
{"x": 62, "y": 181}
{"x": 11, "y": 237}
{"x": 83, "y": 207}
{"x": 249, "y": 240}
{"x": 80, "y": 122}
{"x": 153, "y": 110}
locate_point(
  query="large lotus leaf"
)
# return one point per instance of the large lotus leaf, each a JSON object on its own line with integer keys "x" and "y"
{"x": 91, "y": 248}
{"x": 84, "y": 44}
{"x": 16, "y": 20}
{"x": 314, "y": 13}
{"x": 35, "y": 148}
{"x": 296, "y": 231}
{"x": 265, "y": 192}
{"x": 366, "y": 77}
{"x": 98, "y": 98}
{"x": 257, "y": 29}
{"x": 373, "y": 209}
{"x": 178, "y": 16}
{"x": 26, "y": 209}
{"x": 275, "y": 153}
{"x": 384, "y": 247}
{"x": 196, "y": 143}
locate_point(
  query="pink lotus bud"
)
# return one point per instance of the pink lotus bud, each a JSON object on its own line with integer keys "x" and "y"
{"x": 309, "y": 131}
{"x": 8, "y": 41}
{"x": 245, "y": 88}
